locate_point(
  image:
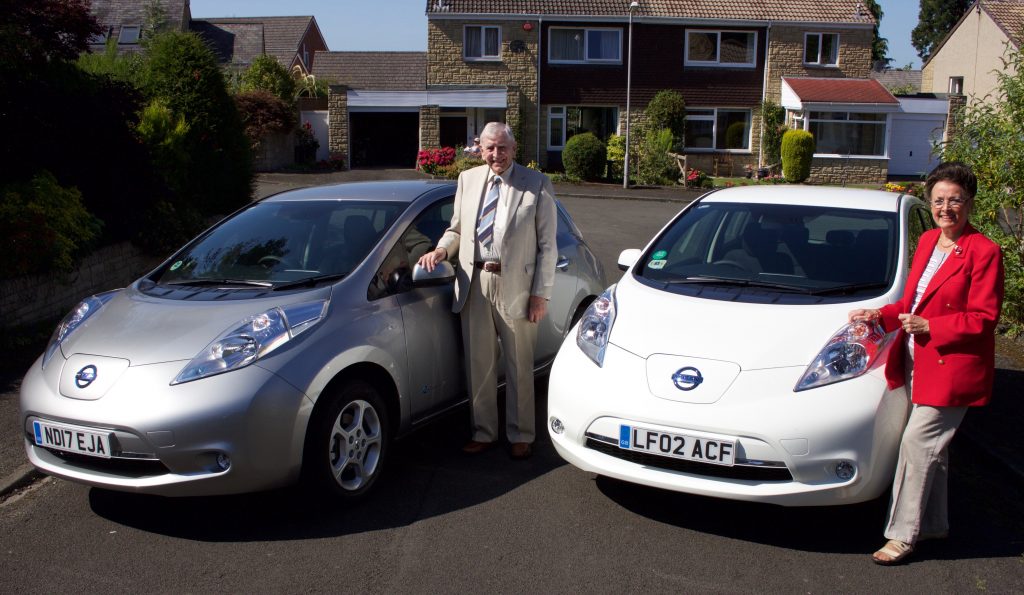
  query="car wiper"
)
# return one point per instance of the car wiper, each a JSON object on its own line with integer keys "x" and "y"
{"x": 310, "y": 281}
{"x": 852, "y": 287}
{"x": 735, "y": 282}
{"x": 209, "y": 282}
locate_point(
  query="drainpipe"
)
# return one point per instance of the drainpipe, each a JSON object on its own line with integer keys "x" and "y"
{"x": 540, "y": 37}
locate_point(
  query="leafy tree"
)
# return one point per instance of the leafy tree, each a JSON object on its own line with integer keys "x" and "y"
{"x": 266, "y": 74}
{"x": 668, "y": 110}
{"x": 32, "y": 33}
{"x": 934, "y": 21}
{"x": 879, "y": 44}
{"x": 990, "y": 139}
{"x": 262, "y": 114}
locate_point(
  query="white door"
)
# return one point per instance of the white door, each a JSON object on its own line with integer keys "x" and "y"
{"x": 912, "y": 142}
{"x": 318, "y": 120}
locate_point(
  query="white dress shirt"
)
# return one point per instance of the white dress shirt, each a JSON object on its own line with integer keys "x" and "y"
{"x": 493, "y": 252}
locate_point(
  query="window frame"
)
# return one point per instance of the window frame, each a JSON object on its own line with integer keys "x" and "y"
{"x": 819, "y": 62}
{"x": 713, "y": 118}
{"x": 884, "y": 123}
{"x": 717, "y": 62}
{"x": 960, "y": 81}
{"x": 586, "y": 45}
{"x": 483, "y": 57}
{"x": 121, "y": 34}
{"x": 563, "y": 115}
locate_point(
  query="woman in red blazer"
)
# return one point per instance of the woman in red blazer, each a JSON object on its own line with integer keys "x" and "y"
{"x": 944, "y": 353}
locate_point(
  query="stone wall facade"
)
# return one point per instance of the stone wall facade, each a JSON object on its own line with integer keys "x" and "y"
{"x": 954, "y": 113}
{"x": 338, "y": 132}
{"x": 430, "y": 127}
{"x": 786, "y": 56}
{"x": 842, "y": 171}
{"x": 38, "y": 298}
{"x": 516, "y": 71}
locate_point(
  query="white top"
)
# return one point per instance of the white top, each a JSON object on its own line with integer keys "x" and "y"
{"x": 493, "y": 252}
{"x": 938, "y": 257}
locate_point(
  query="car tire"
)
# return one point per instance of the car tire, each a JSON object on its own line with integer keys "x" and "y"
{"x": 347, "y": 444}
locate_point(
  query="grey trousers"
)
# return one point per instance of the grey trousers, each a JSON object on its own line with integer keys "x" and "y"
{"x": 919, "y": 504}
{"x": 482, "y": 324}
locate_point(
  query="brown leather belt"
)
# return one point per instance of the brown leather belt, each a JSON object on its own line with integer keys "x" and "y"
{"x": 489, "y": 266}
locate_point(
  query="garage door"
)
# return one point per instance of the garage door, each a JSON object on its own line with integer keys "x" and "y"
{"x": 910, "y": 148}
{"x": 384, "y": 139}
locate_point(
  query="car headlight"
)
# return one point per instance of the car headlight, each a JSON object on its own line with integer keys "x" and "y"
{"x": 596, "y": 326}
{"x": 851, "y": 352}
{"x": 78, "y": 315}
{"x": 253, "y": 338}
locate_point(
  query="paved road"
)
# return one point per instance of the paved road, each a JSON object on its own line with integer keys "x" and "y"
{"x": 443, "y": 522}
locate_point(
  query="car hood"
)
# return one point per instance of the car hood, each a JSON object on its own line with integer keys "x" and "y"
{"x": 146, "y": 330}
{"x": 744, "y": 336}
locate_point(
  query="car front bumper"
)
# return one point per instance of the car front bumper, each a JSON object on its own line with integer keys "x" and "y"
{"x": 788, "y": 444}
{"x": 166, "y": 439}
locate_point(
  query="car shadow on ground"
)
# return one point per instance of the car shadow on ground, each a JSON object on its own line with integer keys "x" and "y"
{"x": 427, "y": 476}
{"x": 986, "y": 515}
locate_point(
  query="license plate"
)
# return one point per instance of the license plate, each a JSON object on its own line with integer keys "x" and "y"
{"x": 72, "y": 439}
{"x": 678, "y": 446}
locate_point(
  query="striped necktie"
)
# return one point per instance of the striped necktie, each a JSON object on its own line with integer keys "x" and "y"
{"x": 485, "y": 229}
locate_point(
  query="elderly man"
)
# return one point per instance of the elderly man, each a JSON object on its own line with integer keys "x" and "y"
{"x": 503, "y": 233}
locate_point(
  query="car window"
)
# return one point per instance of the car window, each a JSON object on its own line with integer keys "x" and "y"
{"x": 799, "y": 247}
{"x": 284, "y": 242}
{"x": 564, "y": 236}
{"x": 393, "y": 276}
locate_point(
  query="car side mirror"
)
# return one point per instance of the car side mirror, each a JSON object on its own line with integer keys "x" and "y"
{"x": 442, "y": 274}
{"x": 628, "y": 258}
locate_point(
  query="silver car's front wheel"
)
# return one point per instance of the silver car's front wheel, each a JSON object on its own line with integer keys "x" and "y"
{"x": 348, "y": 442}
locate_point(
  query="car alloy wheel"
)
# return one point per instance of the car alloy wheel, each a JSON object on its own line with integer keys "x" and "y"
{"x": 350, "y": 440}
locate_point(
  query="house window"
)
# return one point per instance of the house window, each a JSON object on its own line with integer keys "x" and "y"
{"x": 848, "y": 133}
{"x": 566, "y": 121}
{"x": 821, "y": 49}
{"x": 129, "y": 34}
{"x": 956, "y": 85}
{"x": 731, "y": 49}
{"x": 584, "y": 45}
{"x": 718, "y": 129}
{"x": 482, "y": 43}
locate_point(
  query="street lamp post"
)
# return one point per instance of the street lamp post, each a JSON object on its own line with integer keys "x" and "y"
{"x": 629, "y": 82}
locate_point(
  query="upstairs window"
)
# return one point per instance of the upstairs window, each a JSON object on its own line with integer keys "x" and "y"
{"x": 956, "y": 85}
{"x": 731, "y": 49}
{"x": 482, "y": 43}
{"x": 129, "y": 34}
{"x": 821, "y": 49}
{"x": 567, "y": 45}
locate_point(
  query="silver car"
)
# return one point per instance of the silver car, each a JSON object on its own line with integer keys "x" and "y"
{"x": 289, "y": 340}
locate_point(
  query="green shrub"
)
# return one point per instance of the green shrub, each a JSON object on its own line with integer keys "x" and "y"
{"x": 656, "y": 166}
{"x": 584, "y": 157}
{"x": 461, "y": 164}
{"x": 44, "y": 226}
{"x": 264, "y": 113}
{"x": 181, "y": 70}
{"x": 267, "y": 74}
{"x": 797, "y": 152}
{"x": 668, "y": 110}
{"x": 616, "y": 155}
{"x": 774, "y": 117}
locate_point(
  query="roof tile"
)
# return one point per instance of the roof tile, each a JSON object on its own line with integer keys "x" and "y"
{"x": 834, "y": 90}
{"x": 1009, "y": 15}
{"x": 281, "y": 35}
{"x": 374, "y": 71}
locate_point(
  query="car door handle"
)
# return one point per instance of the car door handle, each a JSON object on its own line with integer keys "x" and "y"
{"x": 562, "y": 264}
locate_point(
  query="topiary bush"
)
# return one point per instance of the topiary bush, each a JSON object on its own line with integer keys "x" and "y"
{"x": 584, "y": 157}
{"x": 44, "y": 226}
{"x": 797, "y": 152}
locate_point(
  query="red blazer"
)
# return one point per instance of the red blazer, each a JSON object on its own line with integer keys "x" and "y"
{"x": 955, "y": 361}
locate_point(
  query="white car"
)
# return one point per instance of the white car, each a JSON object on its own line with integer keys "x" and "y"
{"x": 721, "y": 364}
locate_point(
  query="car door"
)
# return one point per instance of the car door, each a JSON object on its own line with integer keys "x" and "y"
{"x": 433, "y": 335}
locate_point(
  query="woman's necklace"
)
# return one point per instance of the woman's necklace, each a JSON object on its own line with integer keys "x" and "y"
{"x": 950, "y": 244}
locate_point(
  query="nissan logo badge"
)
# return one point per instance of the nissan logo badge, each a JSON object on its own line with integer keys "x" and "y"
{"x": 687, "y": 378}
{"x": 86, "y": 376}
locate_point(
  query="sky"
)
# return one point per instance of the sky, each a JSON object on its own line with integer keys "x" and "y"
{"x": 400, "y": 25}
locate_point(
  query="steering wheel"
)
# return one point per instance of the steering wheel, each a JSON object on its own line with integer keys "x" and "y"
{"x": 270, "y": 261}
{"x": 729, "y": 263}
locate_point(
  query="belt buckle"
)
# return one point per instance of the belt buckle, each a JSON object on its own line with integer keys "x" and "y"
{"x": 491, "y": 266}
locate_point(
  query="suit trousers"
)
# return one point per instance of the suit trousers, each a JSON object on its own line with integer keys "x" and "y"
{"x": 919, "y": 503}
{"x": 482, "y": 324}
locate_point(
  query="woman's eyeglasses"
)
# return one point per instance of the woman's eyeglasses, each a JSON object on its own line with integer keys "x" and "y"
{"x": 953, "y": 203}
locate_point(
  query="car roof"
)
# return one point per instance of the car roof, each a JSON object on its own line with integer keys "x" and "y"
{"x": 817, "y": 196}
{"x": 384, "y": 191}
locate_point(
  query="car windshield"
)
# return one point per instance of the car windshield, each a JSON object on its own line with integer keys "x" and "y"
{"x": 800, "y": 249}
{"x": 281, "y": 243}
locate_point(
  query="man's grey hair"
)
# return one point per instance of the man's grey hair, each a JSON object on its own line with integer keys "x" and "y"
{"x": 496, "y": 129}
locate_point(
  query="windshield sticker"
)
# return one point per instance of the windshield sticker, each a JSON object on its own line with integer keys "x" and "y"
{"x": 176, "y": 265}
{"x": 659, "y": 255}
{"x": 657, "y": 264}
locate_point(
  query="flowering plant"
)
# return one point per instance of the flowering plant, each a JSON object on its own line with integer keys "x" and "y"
{"x": 430, "y": 161}
{"x": 695, "y": 178}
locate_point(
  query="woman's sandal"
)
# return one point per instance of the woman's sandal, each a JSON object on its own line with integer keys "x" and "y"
{"x": 892, "y": 553}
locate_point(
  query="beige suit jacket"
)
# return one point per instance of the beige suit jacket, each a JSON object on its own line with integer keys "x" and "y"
{"x": 528, "y": 249}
